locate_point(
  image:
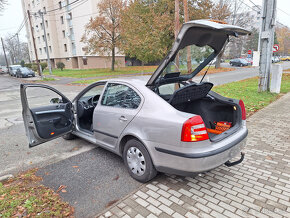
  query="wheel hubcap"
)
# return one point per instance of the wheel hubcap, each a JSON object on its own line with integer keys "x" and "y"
{"x": 136, "y": 161}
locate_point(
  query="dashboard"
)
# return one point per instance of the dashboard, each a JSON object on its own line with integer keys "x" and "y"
{"x": 86, "y": 105}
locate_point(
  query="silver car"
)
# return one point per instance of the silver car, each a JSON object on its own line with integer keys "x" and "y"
{"x": 167, "y": 124}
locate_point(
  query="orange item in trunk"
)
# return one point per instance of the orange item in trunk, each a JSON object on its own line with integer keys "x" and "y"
{"x": 220, "y": 127}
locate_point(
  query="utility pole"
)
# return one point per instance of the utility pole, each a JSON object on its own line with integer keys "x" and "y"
{"x": 19, "y": 56}
{"x": 46, "y": 44}
{"x": 177, "y": 27}
{"x": 267, "y": 41}
{"x": 5, "y": 55}
{"x": 186, "y": 19}
{"x": 235, "y": 13}
{"x": 34, "y": 46}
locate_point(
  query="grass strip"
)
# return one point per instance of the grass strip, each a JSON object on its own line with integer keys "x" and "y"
{"x": 24, "y": 196}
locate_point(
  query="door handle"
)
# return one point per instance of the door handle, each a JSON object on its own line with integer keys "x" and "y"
{"x": 122, "y": 118}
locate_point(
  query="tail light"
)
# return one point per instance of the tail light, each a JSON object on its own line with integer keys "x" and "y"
{"x": 194, "y": 130}
{"x": 242, "y": 105}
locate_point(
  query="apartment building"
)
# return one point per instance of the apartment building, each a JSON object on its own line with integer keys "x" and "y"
{"x": 64, "y": 22}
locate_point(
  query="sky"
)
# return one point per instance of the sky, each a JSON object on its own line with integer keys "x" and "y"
{"x": 12, "y": 17}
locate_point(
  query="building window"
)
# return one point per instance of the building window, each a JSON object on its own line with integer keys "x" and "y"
{"x": 36, "y": 28}
{"x": 63, "y": 33}
{"x": 46, "y": 23}
{"x": 48, "y": 36}
{"x": 44, "y": 9}
{"x": 41, "y": 25}
{"x": 33, "y": 3}
{"x": 65, "y": 47}
{"x": 85, "y": 61}
{"x": 44, "y": 49}
{"x": 40, "y": 51}
{"x": 50, "y": 50}
{"x": 69, "y": 16}
{"x": 61, "y": 19}
{"x": 43, "y": 38}
{"x": 60, "y": 5}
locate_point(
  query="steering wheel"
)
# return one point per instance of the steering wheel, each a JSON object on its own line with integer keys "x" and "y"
{"x": 95, "y": 100}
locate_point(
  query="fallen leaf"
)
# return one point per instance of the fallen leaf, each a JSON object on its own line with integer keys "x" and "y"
{"x": 63, "y": 190}
{"x": 60, "y": 188}
{"x": 111, "y": 203}
{"x": 116, "y": 178}
{"x": 269, "y": 157}
{"x": 75, "y": 166}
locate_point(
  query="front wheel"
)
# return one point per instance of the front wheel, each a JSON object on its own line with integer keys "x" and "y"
{"x": 138, "y": 161}
{"x": 69, "y": 136}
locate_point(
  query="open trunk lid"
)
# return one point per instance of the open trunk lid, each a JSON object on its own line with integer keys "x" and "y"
{"x": 200, "y": 33}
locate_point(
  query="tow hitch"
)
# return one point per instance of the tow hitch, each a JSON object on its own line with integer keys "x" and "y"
{"x": 230, "y": 164}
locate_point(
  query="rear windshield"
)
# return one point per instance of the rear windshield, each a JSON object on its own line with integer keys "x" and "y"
{"x": 188, "y": 59}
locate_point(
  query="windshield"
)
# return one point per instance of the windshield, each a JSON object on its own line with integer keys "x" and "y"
{"x": 187, "y": 60}
{"x": 25, "y": 70}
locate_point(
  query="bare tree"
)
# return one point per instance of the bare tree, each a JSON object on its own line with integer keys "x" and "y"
{"x": 102, "y": 34}
{"x": 2, "y": 4}
{"x": 11, "y": 45}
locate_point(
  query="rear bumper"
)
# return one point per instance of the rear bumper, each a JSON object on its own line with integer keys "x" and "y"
{"x": 190, "y": 163}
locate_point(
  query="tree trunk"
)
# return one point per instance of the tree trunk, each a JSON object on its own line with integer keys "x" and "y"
{"x": 219, "y": 57}
{"x": 113, "y": 59}
{"x": 186, "y": 19}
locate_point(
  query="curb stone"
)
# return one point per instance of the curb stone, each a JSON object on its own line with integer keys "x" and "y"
{"x": 6, "y": 177}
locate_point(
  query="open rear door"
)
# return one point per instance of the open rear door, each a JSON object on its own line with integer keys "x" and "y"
{"x": 47, "y": 113}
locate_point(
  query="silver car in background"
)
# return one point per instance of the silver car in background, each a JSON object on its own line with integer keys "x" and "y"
{"x": 164, "y": 125}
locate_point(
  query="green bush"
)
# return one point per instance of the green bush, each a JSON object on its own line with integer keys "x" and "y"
{"x": 29, "y": 65}
{"x": 60, "y": 65}
{"x": 43, "y": 65}
{"x": 34, "y": 67}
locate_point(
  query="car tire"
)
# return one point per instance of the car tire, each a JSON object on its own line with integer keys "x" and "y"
{"x": 69, "y": 136}
{"x": 136, "y": 150}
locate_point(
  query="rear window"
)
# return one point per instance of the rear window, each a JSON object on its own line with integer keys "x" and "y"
{"x": 121, "y": 96}
{"x": 188, "y": 59}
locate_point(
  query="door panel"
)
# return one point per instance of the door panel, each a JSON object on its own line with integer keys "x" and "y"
{"x": 119, "y": 105}
{"x": 44, "y": 120}
{"x": 53, "y": 120}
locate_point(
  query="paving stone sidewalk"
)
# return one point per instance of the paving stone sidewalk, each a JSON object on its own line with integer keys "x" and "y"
{"x": 258, "y": 187}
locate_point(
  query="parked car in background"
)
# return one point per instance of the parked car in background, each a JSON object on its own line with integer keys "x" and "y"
{"x": 3, "y": 69}
{"x": 285, "y": 58}
{"x": 13, "y": 69}
{"x": 250, "y": 61}
{"x": 24, "y": 72}
{"x": 275, "y": 59}
{"x": 169, "y": 124}
{"x": 239, "y": 62}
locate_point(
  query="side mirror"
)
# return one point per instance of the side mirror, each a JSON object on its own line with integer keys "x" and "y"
{"x": 55, "y": 101}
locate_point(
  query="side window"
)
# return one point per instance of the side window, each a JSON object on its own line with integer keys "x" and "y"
{"x": 122, "y": 96}
{"x": 169, "y": 89}
{"x": 47, "y": 97}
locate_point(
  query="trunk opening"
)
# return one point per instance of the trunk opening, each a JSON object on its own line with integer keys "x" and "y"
{"x": 211, "y": 111}
{"x": 217, "y": 112}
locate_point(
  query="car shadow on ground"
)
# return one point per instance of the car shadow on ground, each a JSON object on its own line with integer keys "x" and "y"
{"x": 90, "y": 181}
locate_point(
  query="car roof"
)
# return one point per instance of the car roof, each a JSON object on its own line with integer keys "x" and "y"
{"x": 132, "y": 81}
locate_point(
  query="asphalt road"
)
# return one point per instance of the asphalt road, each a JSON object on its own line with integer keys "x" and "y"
{"x": 94, "y": 178}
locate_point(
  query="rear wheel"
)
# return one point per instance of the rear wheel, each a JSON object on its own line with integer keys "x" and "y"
{"x": 138, "y": 161}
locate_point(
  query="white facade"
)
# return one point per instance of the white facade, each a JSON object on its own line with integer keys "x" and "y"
{"x": 65, "y": 22}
